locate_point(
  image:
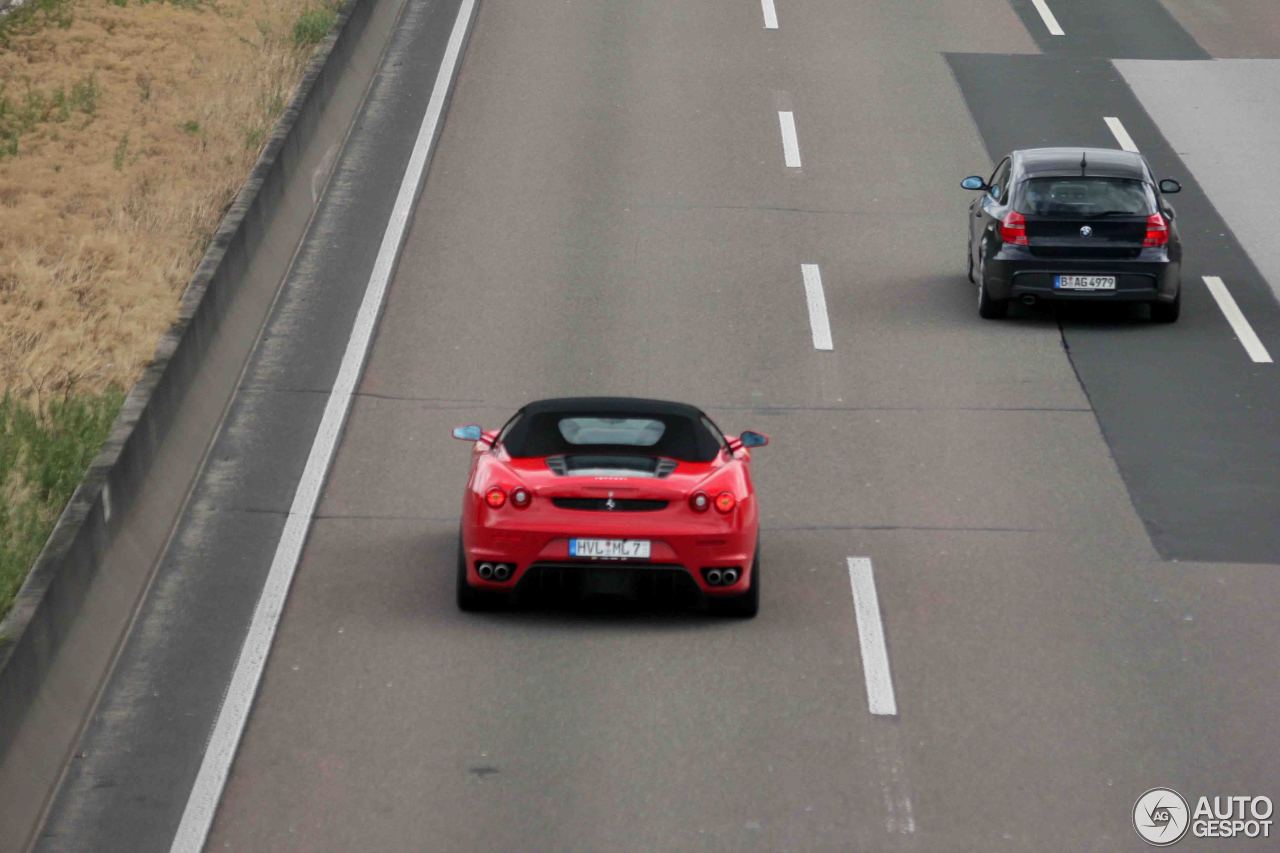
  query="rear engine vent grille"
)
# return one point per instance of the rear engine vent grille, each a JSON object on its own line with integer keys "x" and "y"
{"x": 595, "y": 465}
{"x": 619, "y": 504}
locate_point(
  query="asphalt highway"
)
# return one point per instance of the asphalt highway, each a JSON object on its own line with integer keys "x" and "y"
{"x": 1067, "y": 520}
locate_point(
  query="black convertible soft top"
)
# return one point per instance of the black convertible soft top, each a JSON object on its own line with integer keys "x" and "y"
{"x": 688, "y": 434}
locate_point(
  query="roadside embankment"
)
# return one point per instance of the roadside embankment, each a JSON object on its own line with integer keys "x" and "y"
{"x": 126, "y": 127}
{"x": 68, "y": 618}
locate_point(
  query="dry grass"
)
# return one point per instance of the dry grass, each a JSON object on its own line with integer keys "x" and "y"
{"x": 125, "y": 131}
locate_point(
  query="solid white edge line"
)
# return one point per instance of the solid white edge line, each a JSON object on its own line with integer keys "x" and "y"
{"x": 1244, "y": 332}
{"x": 790, "y": 142}
{"x": 1122, "y": 136}
{"x": 817, "y": 301}
{"x": 1047, "y": 15}
{"x": 202, "y": 804}
{"x": 770, "y": 15}
{"x": 875, "y": 654}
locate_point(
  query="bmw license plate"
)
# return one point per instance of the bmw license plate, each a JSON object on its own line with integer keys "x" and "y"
{"x": 610, "y": 549}
{"x": 1084, "y": 282}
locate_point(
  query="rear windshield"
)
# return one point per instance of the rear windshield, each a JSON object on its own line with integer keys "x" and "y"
{"x": 553, "y": 433}
{"x": 1085, "y": 197}
{"x": 631, "y": 432}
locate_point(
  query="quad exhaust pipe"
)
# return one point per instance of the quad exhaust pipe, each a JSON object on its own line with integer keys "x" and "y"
{"x": 501, "y": 572}
{"x": 485, "y": 571}
{"x": 713, "y": 577}
{"x": 729, "y": 577}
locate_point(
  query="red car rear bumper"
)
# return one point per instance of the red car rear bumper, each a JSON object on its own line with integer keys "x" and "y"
{"x": 524, "y": 538}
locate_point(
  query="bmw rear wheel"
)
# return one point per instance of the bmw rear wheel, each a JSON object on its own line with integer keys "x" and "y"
{"x": 988, "y": 308}
{"x": 746, "y": 605}
{"x": 1167, "y": 312}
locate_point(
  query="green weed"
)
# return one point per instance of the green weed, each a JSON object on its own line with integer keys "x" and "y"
{"x": 84, "y": 95}
{"x": 122, "y": 150}
{"x": 32, "y": 16}
{"x": 18, "y": 116}
{"x": 43, "y": 456}
{"x": 313, "y": 25}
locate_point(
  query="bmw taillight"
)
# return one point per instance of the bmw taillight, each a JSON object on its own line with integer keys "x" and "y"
{"x": 495, "y": 497}
{"x": 520, "y": 497}
{"x": 725, "y": 502}
{"x": 1157, "y": 232}
{"x": 1013, "y": 228}
{"x": 699, "y": 502}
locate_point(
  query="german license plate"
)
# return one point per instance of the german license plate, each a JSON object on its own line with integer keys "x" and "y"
{"x": 1084, "y": 282}
{"x": 609, "y": 549}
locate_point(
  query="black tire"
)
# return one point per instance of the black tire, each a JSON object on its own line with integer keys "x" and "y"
{"x": 1167, "y": 312}
{"x": 988, "y": 308}
{"x": 744, "y": 606}
{"x": 471, "y": 599}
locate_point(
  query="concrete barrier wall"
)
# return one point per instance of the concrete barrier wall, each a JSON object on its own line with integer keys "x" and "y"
{"x": 58, "y": 641}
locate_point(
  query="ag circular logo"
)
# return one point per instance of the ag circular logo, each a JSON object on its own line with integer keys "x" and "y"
{"x": 1160, "y": 816}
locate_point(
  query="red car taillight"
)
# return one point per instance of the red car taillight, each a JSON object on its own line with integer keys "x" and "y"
{"x": 1157, "y": 232}
{"x": 520, "y": 497}
{"x": 1013, "y": 229}
{"x": 495, "y": 497}
{"x": 699, "y": 502}
{"x": 725, "y": 502}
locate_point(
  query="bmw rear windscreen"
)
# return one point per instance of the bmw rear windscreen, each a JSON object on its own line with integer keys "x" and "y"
{"x": 1085, "y": 196}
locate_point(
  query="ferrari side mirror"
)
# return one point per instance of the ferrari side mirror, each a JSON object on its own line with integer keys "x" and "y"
{"x": 973, "y": 182}
{"x": 753, "y": 439}
{"x": 470, "y": 432}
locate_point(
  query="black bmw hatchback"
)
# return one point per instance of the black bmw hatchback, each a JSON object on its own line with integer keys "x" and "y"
{"x": 1074, "y": 224}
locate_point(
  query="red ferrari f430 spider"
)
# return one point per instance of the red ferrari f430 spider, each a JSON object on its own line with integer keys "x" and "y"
{"x": 610, "y": 495}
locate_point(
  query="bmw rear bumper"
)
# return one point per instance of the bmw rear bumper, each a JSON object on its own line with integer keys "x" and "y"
{"x": 1151, "y": 277}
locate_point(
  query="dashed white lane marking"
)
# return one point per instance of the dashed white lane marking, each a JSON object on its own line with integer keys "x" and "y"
{"x": 1226, "y": 302}
{"x": 1244, "y": 332}
{"x": 819, "y": 325}
{"x": 875, "y": 654}
{"x": 202, "y": 803}
{"x": 1047, "y": 15}
{"x": 1122, "y": 136}
{"x": 770, "y": 14}
{"x": 790, "y": 143}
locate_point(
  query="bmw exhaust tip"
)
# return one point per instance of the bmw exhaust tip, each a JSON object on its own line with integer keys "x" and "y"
{"x": 729, "y": 577}
{"x": 485, "y": 571}
{"x": 501, "y": 572}
{"x": 1028, "y": 299}
{"x": 713, "y": 577}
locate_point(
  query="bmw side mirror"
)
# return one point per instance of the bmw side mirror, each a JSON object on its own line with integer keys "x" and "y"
{"x": 973, "y": 182}
{"x": 1169, "y": 186}
{"x": 470, "y": 432}
{"x": 753, "y": 439}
